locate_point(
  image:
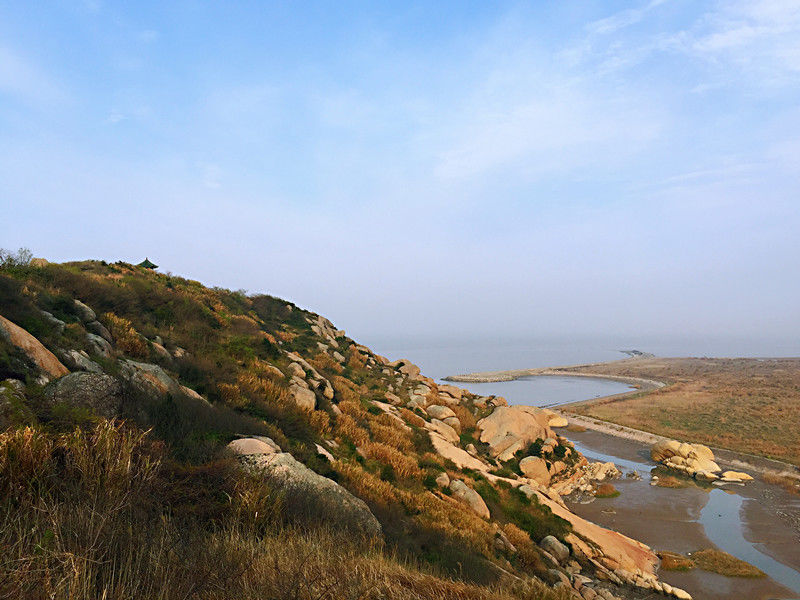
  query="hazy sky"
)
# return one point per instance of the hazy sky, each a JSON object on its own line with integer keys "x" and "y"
{"x": 440, "y": 167}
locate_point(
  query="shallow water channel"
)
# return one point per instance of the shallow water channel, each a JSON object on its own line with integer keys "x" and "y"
{"x": 756, "y": 523}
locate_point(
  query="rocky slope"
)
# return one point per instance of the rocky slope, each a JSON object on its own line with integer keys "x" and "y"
{"x": 459, "y": 482}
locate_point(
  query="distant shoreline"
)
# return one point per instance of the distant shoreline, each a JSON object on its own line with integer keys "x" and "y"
{"x": 733, "y": 458}
{"x": 641, "y": 385}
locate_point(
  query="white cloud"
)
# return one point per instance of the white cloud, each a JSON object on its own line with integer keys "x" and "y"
{"x": 622, "y": 19}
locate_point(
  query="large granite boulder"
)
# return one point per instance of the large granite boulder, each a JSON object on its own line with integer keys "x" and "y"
{"x": 149, "y": 379}
{"x": 466, "y": 495}
{"x": 535, "y": 468}
{"x": 695, "y": 460}
{"x": 511, "y": 428}
{"x": 32, "y": 348}
{"x": 307, "y": 493}
{"x": 99, "y": 392}
{"x": 440, "y": 412}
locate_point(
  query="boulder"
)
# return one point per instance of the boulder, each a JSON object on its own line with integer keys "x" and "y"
{"x": 554, "y": 547}
{"x": 510, "y": 428}
{"x": 161, "y": 352}
{"x": 80, "y": 361}
{"x": 303, "y": 397}
{"x": 459, "y": 456}
{"x": 453, "y": 422}
{"x": 99, "y": 346}
{"x": 99, "y": 392}
{"x": 393, "y": 398}
{"x": 297, "y": 370}
{"x": 736, "y": 476}
{"x": 443, "y": 480}
{"x": 338, "y": 357}
{"x": 466, "y": 495}
{"x": 444, "y": 430}
{"x": 309, "y": 495}
{"x": 149, "y": 379}
{"x": 324, "y": 453}
{"x": 687, "y": 458}
{"x": 97, "y": 328}
{"x": 406, "y": 367}
{"x": 253, "y": 446}
{"x": 556, "y": 420}
{"x": 451, "y": 390}
{"x": 440, "y": 412}
{"x": 45, "y": 360}
{"x": 57, "y": 323}
{"x": 535, "y": 468}
{"x": 84, "y": 313}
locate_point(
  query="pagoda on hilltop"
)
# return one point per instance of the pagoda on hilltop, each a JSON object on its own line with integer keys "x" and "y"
{"x": 147, "y": 264}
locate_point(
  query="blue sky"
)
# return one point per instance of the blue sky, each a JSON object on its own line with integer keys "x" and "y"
{"x": 448, "y": 167}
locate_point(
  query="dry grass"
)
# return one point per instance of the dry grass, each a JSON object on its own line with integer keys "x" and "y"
{"x": 125, "y": 336}
{"x": 748, "y": 405}
{"x": 97, "y": 514}
{"x": 404, "y": 466}
{"x": 717, "y": 561}
{"x": 606, "y": 490}
{"x": 668, "y": 481}
{"x": 412, "y": 418}
{"x": 787, "y": 482}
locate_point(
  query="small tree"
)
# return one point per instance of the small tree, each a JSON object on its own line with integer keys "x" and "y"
{"x": 20, "y": 258}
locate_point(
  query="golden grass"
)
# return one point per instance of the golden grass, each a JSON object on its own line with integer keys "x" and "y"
{"x": 717, "y": 561}
{"x": 84, "y": 517}
{"x": 790, "y": 484}
{"x": 404, "y": 466}
{"x": 125, "y": 336}
{"x": 412, "y": 418}
{"x": 709, "y": 559}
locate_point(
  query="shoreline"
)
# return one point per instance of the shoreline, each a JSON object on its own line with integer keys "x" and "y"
{"x": 734, "y": 459}
{"x": 642, "y": 385}
{"x": 731, "y": 458}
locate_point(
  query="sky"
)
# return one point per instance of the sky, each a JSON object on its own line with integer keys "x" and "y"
{"x": 421, "y": 168}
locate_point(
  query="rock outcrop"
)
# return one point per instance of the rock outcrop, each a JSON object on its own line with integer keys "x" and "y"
{"x": 305, "y": 490}
{"x": 32, "y": 348}
{"x": 535, "y": 468}
{"x": 695, "y": 460}
{"x": 511, "y": 428}
{"x": 466, "y": 495}
{"x": 96, "y": 391}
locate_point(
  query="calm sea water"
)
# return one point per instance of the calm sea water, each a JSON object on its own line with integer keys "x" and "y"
{"x": 440, "y": 357}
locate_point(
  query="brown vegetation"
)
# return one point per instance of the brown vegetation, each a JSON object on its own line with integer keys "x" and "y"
{"x": 747, "y": 405}
{"x": 717, "y": 561}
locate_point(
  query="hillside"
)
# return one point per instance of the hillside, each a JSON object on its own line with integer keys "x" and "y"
{"x": 162, "y": 439}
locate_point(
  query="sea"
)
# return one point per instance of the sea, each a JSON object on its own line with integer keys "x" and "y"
{"x": 441, "y": 356}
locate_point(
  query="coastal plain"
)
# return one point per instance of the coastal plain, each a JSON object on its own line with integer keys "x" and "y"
{"x": 748, "y": 405}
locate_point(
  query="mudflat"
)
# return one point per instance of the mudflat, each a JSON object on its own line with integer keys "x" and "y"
{"x": 669, "y": 519}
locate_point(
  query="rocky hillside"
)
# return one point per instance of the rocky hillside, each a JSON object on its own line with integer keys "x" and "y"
{"x": 166, "y": 439}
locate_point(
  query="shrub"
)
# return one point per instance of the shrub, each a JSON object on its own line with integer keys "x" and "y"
{"x": 125, "y": 336}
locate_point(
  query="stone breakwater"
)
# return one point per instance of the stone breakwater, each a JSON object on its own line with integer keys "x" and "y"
{"x": 642, "y": 385}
